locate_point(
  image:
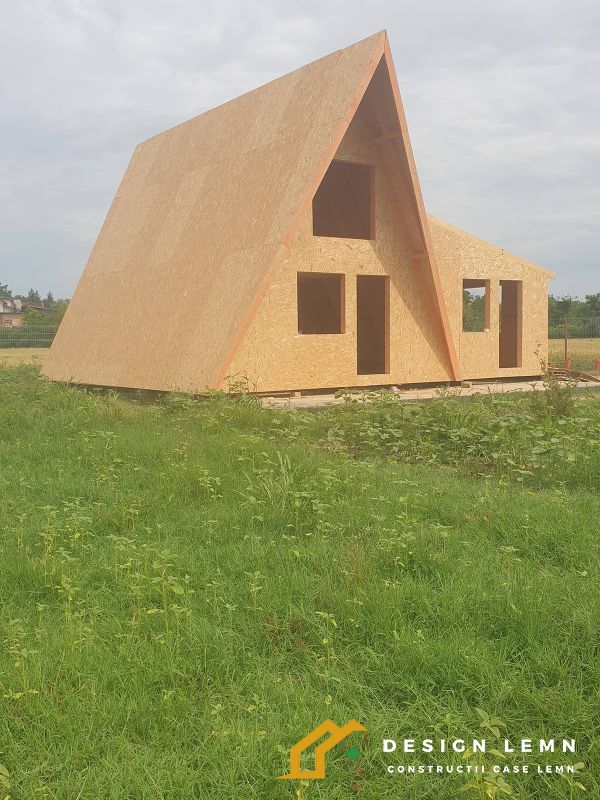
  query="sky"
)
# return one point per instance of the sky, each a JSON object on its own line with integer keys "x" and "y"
{"x": 502, "y": 103}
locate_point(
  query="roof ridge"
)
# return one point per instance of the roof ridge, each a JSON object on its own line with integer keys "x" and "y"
{"x": 338, "y": 52}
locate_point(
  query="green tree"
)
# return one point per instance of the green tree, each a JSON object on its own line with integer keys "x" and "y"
{"x": 592, "y": 302}
{"x": 33, "y": 318}
{"x": 473, "y": 310}
{"x": 59, "y": 310}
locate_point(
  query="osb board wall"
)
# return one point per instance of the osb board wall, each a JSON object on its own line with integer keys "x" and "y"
{"x": 274, "y": 356}
{"x": 195, "y": 224}
{"x": 461, "y": 255}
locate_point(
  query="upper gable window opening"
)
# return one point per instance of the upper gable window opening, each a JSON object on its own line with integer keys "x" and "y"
{"x": 344, "y": 204}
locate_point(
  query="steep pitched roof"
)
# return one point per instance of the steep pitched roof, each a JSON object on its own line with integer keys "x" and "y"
{"x": 203, "y": 216}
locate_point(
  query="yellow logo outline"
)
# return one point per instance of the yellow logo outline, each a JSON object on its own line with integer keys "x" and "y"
{"x": 336, "y": 735}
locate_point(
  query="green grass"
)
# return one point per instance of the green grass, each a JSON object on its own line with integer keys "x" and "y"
{"x": 188, "y": 587}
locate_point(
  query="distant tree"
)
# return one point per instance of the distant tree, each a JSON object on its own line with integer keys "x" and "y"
{"x": 33, "y": 296}
{"x": 592, "y": 301}
{"x": 563, "y": 305}
{"x": 582, "y": 316}
{"x": 33, "y": 318}
{"x": 473, "y": 311}
{"x": 60, "y": 307}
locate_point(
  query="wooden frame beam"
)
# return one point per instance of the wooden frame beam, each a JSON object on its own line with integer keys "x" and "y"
{"x": 438, "y": 303}
{"x": 386, "y": 137}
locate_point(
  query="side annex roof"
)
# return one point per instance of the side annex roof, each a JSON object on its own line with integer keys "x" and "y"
{"x": 470, "y": 236}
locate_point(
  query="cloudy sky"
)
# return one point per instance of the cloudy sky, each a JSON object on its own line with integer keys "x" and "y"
{"x": 502, "y": 100}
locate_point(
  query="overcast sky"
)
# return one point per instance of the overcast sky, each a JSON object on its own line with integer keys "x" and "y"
{"x": 502, "y": 100}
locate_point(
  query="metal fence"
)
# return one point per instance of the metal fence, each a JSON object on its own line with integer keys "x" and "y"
{"x": 574, "y": 341}
{"x": 26, "y": 336}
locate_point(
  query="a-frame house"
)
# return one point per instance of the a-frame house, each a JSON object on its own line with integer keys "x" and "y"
{"x": 281, "y": 240}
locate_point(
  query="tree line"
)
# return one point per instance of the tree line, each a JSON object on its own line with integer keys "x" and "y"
{"x": 32, "y": 316}
{"x": 582, "y": 316}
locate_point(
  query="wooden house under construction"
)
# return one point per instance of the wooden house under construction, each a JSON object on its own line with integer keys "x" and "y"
{"x": 281, "y": 240}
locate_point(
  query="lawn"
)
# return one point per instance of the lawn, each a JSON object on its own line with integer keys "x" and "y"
{"x": 190, "y": 586}
{"x": 15, "y": 356}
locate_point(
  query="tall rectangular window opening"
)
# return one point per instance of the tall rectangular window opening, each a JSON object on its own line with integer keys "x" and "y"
{"x": 320, "y": 302}
{"x": 511, "y": 324}
{"x": 344, "y": 205}
{"x": 476, "y": 305}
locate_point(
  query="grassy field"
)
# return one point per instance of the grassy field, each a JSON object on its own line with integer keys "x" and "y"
{"x": 16, "y": 356}
{"x": 583, "y": 353}
{"x": 188, "y": 587}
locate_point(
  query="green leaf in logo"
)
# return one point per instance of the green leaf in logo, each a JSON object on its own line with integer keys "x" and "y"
{"x": 353, "y": 753}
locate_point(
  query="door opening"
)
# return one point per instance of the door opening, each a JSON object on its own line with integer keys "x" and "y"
{"x": 511, "y": 321}
{"x": 372, "y": 325}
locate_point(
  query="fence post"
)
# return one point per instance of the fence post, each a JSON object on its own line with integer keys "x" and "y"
{"x": 567, "y": 364}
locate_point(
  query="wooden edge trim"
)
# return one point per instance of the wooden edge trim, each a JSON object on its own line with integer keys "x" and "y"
{"x": 372, "y": 203}
{"x": 422, "y": 217}
{"x": 387, "y": 325}
{"x": 299, "y": 214}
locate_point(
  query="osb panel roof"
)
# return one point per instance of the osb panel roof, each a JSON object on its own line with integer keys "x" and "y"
{"x": 461, "y": 234}
{"x": 202, "y": 208}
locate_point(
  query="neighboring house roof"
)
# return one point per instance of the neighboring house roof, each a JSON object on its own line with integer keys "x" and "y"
{"x": 37, "y": 307}
{"x": 10, "y": 305}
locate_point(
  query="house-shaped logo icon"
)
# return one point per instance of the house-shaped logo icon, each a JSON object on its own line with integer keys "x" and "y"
{"x": 335, "y": 734}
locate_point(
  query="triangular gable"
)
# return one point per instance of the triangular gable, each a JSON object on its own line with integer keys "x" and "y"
{"x": 378, "y": 92}
{"x": 203, "y": 216}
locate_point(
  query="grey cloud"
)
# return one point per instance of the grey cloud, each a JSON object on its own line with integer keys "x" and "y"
{"x": 501, "y": 102}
